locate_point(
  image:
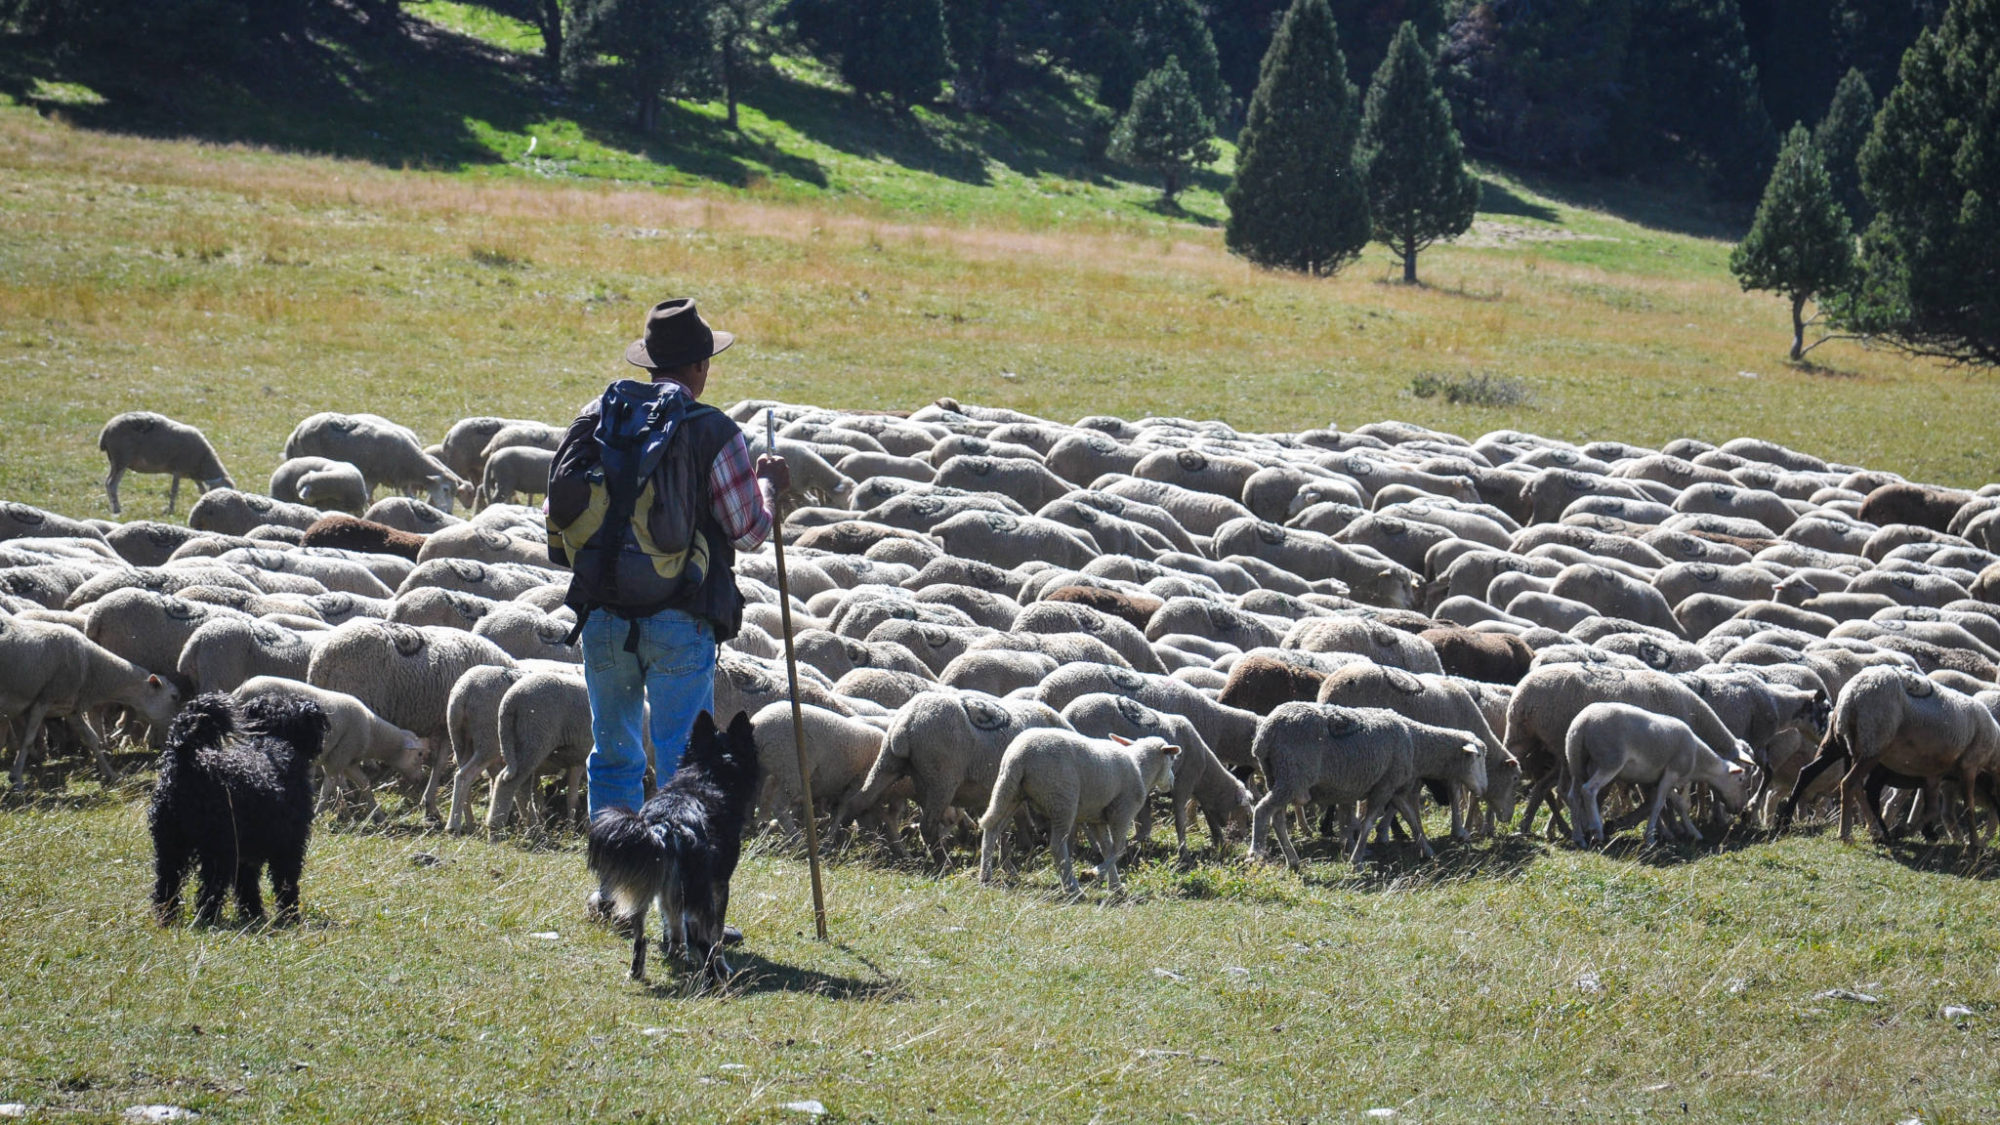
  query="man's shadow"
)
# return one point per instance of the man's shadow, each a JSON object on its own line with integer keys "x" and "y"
{"x": 757, "y": 974}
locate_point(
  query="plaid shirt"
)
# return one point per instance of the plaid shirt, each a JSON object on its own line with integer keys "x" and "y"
{"x": 743, "y": 503}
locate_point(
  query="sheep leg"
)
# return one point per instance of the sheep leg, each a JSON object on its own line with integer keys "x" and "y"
{"x": 1109, "y": 847}
{"x": 1653, "y": 810}
{"x": 1460, "y": 797}
{"x": 1061, "y": 828}
{"x": 81, "y": 729}
{"x": 990, "y": 840}
{"x": 329, "y": 789}
{"x": 573, "y": 807}
{"x": 111, "y": 480}
{"x": 1830, "y": 753}
{"x": 1181, "y": 831}
{"x": 30, "y": 729}
{"x": 433, "y": 786}
{"x": 365, "y": 791}
{"x": 1678, "y": 798}
{"x": 173, "y": 492}
{"x": 1406, "y": 803}
{"x": 1589, "y": 811}
{"x": 1373, "y": 810}
{"x": 461, "y": 791}
{"x": 500, "y": 799}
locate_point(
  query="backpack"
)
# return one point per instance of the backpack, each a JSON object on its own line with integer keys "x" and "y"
{"x": 624, "y": 513}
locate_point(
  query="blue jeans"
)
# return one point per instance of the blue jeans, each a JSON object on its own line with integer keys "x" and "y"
{"x": 674, "y": 671}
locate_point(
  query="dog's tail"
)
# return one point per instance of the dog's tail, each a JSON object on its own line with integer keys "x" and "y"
{"x": 1006, "y": 794}
{"x": 630, "y": 857}
{"x": 205, "y": 721}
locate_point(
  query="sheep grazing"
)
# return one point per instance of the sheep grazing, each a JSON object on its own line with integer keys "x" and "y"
{"x": 515, "y": 469}
{"x": 1439, "y": 701}
{"x": 949, "y": 745}
{"x": 1900, "y": 722}
{"x": 53, "y": 672}
{"x": 386, "y": 454}
{"x": 224, "y": 653}
{"x": 229, "y": 512}
{"x": 148, "y": 542}
{"x": 354, "y": 735}
{"x": 143, "y": 442}
{"x": 1075, "y": 781}
{"x": 1915, "y": 504}
{"x": 351, "y": 533}
{"x": 840, "y": 749}
{"x": 544, "y": 724}
{"x": 1336, "y": 756}
{"x": 1610, "y": 742}
{"x": 403, "y": 673}
{"x": 1199, "y": 776}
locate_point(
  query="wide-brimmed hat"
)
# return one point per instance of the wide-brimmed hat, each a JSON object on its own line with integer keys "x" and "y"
{"x": 676, "y": 335}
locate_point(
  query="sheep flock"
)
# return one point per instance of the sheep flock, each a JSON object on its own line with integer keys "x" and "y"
{"x": 1005, "y": 623}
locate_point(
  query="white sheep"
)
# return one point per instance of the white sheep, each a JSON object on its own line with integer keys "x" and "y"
{"x": 143, "y": 442}
{"x": 354, "y": 734}
{"x": 839, "y": 748}
{"x": 229, "y": 512}
{"x": 1075, "y": 781}
{"x": 51, "y": 671}
{"x": 1199, "y": 776}
{"x": 1610, "y": 742}
{"x": 386, "y": 454}
{"x": 1440, "y": 701}
{"x": 1320, "y": 753}
{"x": 544, "y": 725}
{"x": 320, "y": 482}
{"x": 224, "y": 653}
{"x": 515, "y": 469}
{"x": 403, "y": 673}
{"x": 472, "y": 723}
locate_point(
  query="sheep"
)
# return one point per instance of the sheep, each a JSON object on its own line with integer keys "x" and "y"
{"x": 1757, "y": 711}
{"x": 996, "y": 672}
{"x": 840, "y": 748}
{"x": 148, "y": 542}
{"x": 1336, "y": 756}
{"x": 337, "y": 483}
{"x": 223, "y": 653}
{"x": 890, "y": 690}
{"x": 1614, "y": 594}
{"x": 1228, "y": 730}
{"x": 1404, "y": 542}
{"x": 1082, "y": 457}
{"x": 1260, "y": 683}
{"x": 431, "y": 605}
{"x": 517, "y": 468}
{"x": 502, "y": 582}
{"x": 812, "y": 473}
{"x": 25, "y": 521}
{"x": 835, "y": 656}
{"x": 1199, "y": 776}
{"x": 230, "y": 512}
{"x": 526, "y": 633}
{"x": 472, "y": 724}
{"x": 986, "y": 610}
{"x": 1064, "y": 617}
{"x": 142, "y": 442}
{"x": 1201, "y": 513}
{"x": 151, "y": 629}
{"x": 1147, "y": 516}
{"x": 406, "y": 513}
{"x": 386, "y": 454}
{"x": 403, "y": 673}
{"x": 1373, "y": 578}
{"x": 50, "y": 671}
{"x": 544, "y": 722}
{"x": 1007, "y": 541}
{"x": 351, "y": 533}
{"x": 1023, "y": 480}
{"x": 1073, "y": 780}
{"x": 354, "y": 734}
{"x": 1441, "y": 702}
{"x": 1549, "y": 697}
{"x": 1498, "y": 658}
{"x": 1917, "y": 504}
{"x": 1111, "y": 533}
{"x": 1377, "y": 642}
{"x": 949, "y": 744}
{"x": 464, "y": 444}
{"x": 518, "y": 435}
{"x": 1905, "y": 723}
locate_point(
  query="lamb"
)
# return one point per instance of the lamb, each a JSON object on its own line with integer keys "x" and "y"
{"x": 50, "y": 671}
{"x": 350, "y": 533}
{"x": 1198, "y": 774}
{"x": 224, "y": 653}
{"x": 949, "y": 745}
{"x": 464, "y": 444}
{"x": 354, "y": 735}
{"x": 812, "y": 474}
{"x": 1548, "y": 699}
{"x": 1439, "y": 701}
{"x": 1611, "y": 741}
{"x": 519, "y": 435}
{"x": 517, "y": 468}
{"x": 472, "y": 722}
{"x": 143, "y": 442}
{"x": 1227, "y": 730}
{"x": 1073, "y": 780}
{"x": 403, "y": 673}
{"x": 229, "y": 512}
{"x": 385, "y": 453}
{"x": 544, "y": 724}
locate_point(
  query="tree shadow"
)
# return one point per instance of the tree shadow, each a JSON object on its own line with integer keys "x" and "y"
{"x": 1400, "y": 866}
{"x": 1497, "y": 199}
{"x": 1677, "y": 204}
{"x": 1171, "y": 209}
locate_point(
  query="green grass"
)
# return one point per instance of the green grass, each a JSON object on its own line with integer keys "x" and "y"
{"x": 1507, "y": 982}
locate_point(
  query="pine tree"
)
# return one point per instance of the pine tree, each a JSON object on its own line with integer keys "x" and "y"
{"x": 1931, "y": 167}
{"x": 1800, "y": 244}
{"x": 1418, "y": 188}
{"x": 1690, "y": 86}
{"x": 1165, "y": 130}
{"x": 663, "y": 45}
{"x": 1367, "y": 27}
{"x": 1839, "y": 138}
{"x": 896, "y": 49}
{"x": 1298, "y": 202}
{"x": 1133, "y": 38}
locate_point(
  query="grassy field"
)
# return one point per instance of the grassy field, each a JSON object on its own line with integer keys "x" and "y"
{"x": 454, "y": 979}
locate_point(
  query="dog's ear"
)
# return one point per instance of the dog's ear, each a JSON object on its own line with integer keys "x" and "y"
{"x": 741, "y": 734}
{"x": 205, "y": 721}
{"x": 702, "y": 737}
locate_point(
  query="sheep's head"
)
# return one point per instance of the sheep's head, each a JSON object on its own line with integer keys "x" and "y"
{"x": 409, "y": 763}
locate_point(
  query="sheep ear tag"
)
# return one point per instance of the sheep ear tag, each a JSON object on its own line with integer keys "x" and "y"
{"x": 152, "y": 681}
{"x": 1121, "y": 740}
{"x": 1734, "y": 768}
{"x": 1170, "y": 750}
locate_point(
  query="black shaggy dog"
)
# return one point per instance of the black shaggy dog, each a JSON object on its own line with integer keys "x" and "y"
{"x": 234, "y": 796}
{"x": 683, "y": 846}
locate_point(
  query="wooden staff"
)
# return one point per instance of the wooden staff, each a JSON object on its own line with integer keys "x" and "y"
{"x": 792, "y": 670}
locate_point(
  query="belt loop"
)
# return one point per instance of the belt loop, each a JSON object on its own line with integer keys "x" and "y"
{"x": 632, "y": 636}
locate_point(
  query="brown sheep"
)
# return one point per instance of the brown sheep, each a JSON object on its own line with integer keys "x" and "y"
{"x": 351, "y": 533}
{"x": 1135, "y": 608}
{"x": 1917, "y": 504}
{"x": 1262, "y": 684}
{"x": 1495, "y": 658}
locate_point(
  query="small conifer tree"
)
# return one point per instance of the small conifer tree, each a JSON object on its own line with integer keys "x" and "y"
{"x": 1418, "y": 188}
{"x": 1298, "y": 202}
{"x": 1839, "y": 138}
{"x": 896, "y": 49}
{"x": 1800, "y": 243}
{"x": 1165, "y": 131}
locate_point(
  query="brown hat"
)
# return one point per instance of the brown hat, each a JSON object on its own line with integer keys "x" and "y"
{"x": 676, "y": 335}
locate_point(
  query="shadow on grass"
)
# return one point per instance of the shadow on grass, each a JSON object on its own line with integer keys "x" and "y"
{"x": 757, "y": 974}
{"x": 1496, "y": 199}
{"x": 1171, "y": 209}
{"x": 1677, "y": 203}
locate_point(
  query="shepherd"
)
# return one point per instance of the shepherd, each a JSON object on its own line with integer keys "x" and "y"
{"x": 651, "y": 494}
